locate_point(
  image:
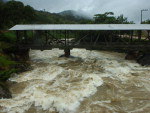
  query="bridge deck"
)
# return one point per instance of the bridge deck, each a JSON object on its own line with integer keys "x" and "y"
{"x": 82, "y": 27}
{"x": 48, "y": 36}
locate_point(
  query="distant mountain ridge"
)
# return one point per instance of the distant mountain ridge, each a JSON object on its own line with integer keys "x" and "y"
{"x": 74, "y": 14}
{"x": 4, "y": 0}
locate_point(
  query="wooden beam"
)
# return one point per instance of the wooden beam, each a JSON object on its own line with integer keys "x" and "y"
{"x": 65, "y": 38}
{"x": 91, "y": 37}
{"x": 139, "y": 35}
{"x": 97, "y": 39}
{"x": 131, "y": 36}
{"x": 17, "y": 37}
{"x": 25, "y": 36}
{"x": 148, "y": 36}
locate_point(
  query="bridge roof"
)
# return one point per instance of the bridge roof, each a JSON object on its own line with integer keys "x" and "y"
{"x": 82, "y": 27}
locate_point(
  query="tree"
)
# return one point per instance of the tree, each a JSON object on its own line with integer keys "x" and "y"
{"x": 121, "y": 19}
{"x": 1, "y": 12}
{"x": 29, "y": 14}
{"x": 109, "y": 18}
{"x": 13, "y": 12}
{"x": 146, "y": 21}
{"x": 106, "y": 18}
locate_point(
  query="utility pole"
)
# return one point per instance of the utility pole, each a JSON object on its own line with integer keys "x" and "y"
{"x": 142, "y": 14}
{"x": 140, "y": 32}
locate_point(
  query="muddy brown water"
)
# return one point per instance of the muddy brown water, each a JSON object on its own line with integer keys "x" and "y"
{"x": 92, "y": 82}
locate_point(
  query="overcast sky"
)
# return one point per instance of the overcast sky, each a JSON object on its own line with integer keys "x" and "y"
{"x": 130, "y": 8}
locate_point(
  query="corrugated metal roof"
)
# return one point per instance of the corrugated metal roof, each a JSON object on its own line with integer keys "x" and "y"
{"x": 82, "y": 27}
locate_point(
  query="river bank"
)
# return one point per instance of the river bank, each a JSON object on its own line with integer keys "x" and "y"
{"x": 12, "y": 61}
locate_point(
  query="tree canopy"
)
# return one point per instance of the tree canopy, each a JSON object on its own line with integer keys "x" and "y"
{"x": 14, "y": 12}
{"x": 109, "y": 18}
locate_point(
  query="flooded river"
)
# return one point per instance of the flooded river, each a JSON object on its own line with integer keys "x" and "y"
{"x": 92, "y": 82}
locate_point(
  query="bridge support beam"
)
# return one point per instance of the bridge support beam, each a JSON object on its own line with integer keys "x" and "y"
{"x": 139, "y": 35}
{"x": 67, "y": 52}
{"x": 17, "y": 38}
{"x": 148, "y": 36}
{"x": 131, "y": 36}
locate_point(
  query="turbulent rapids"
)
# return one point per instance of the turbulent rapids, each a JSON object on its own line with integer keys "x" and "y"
{"x": 91, "y": 82}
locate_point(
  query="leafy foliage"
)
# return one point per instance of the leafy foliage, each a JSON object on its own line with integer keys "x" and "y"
{"x": 5, "y": 61}
{"x": 146, "y": 22}
{"x": 109, "y": 18}
{"x": 14, "y": 12}
{"x": 7, "y": 65}
{"x": 6, "y": 68}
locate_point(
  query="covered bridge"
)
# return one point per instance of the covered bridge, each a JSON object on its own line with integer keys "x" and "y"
{"x": 48, "y": 36}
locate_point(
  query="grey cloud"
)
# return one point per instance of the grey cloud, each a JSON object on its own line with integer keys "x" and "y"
{"x": 130, "y": 8}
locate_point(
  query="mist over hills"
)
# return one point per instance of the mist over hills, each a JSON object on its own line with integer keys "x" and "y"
{"x": 72, "y": 14}
{"x": 4, "y": 0}
{"x": 16, "y": 12}
{"x": 75, "y": 14}
{"x": 65, "y": 17}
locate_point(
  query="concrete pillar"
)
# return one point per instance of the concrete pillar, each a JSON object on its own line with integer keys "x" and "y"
{"x": 67, "y": 52}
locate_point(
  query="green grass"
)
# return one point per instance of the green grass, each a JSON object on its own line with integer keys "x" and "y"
{"x": 6, "y": 68}
{"x": 5, "y": 75}
{"x": 8, "y": 37}
{"x": 5, "y": 61}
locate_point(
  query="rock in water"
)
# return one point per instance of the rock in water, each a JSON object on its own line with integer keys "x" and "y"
{"x": 134, "y": 55}
{"x": 145, "y": 60}
{"x": 139, "y": 56}
{"x": 4, "y": 92}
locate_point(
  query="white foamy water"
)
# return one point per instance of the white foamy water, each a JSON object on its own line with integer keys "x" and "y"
{"x": 92, "y": 82}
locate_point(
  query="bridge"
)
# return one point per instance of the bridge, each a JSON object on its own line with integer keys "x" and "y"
{"x": 116, "y": 37}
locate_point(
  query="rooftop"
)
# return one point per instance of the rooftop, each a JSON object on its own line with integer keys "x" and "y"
{"x": 82, "y": 27}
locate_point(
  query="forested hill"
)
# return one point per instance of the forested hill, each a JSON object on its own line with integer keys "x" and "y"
{"x": 15, "y": 12}
{"x": 58, "y": 18}
{"x": 78, "y": 15}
